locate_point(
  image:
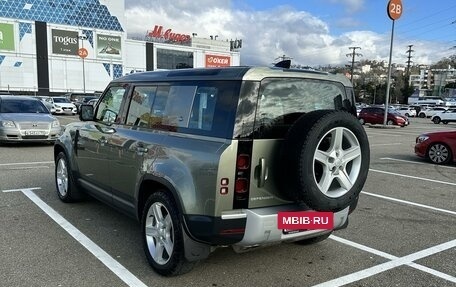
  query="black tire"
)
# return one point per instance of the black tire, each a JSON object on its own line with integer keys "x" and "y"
{"x": 64, "y": 181}
{"x": 171, "y": 231}
{"x": 302, "y": 173}
{"x": 407, "y": 115}
{"x": 422, "y": 115}
{"x": 313, "y": 240}
{"x": 445, "y": 122}
{"x": 439, "y": 153}
{"x": 390, "y": 122}
{"x": 436, "y": 120}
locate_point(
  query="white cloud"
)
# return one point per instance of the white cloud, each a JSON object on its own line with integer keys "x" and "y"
{"x": 351, "y": 6}
{"x": 269, "y": 34}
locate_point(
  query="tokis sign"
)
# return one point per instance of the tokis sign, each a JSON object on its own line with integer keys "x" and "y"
{"x": 167, "y": 35}
{"x": 217, "y": 61}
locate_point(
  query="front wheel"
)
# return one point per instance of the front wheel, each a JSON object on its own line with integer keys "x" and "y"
{"x": 445, "y": 122}
{"x": 436, "y": 120}
{"x": 422, "y": 115}
{"x": 64, "y": 182}
{"x": 439, "y": 153}
{"x": 162, "y": 236}
{"x": 390, "y": 122}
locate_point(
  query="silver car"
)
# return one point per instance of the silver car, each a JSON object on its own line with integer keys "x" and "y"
{"x": 24, "y": 118}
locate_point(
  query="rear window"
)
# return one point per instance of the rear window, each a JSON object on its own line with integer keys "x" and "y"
{"x": 282, "y": 101}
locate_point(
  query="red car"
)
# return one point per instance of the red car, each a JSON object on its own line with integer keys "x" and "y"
{"x": 438, "y": 147}
{"x": 375, "y": 115}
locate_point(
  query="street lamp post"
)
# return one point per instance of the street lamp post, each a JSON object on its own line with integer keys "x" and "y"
{"x": 82, "y": 38}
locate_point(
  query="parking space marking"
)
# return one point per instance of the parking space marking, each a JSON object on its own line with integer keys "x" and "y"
{"x": 386, "y": 144}
{"x": 399, "y": 261}
{"x": 391, "y": 257}
{"x": 416, "y": 162}
{"x": 409, "y": 202}
{"x": 382, "y": 134}
{"x": 25, "y": 163}
{"x": 413, "y": 177}
{"x": 118, "y": 269}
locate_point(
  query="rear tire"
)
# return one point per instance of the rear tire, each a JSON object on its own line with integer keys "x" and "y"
{"x": 325, "y": 160}
{"x": 162, "y": 236}
{"x": 445, "y": 122}
{"x": 390, "y": 122}
{"x": 436, "y": 120}
{"x": 422, "y": 115}
{"x": 313, "y": 240}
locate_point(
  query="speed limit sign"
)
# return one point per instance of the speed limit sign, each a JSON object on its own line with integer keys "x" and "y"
{"x": 394, "y": 9}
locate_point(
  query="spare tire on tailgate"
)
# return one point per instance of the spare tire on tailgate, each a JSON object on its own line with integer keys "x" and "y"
{"x": 325, "y": 160}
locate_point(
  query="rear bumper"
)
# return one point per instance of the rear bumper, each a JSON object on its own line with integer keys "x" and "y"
{"x": 261, "y": 227}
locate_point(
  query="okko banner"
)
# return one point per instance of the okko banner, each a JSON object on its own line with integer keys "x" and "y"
{"x": 65, "y": 42}
{"x": 109, "y": 46}
{"x": 6, "y": 37}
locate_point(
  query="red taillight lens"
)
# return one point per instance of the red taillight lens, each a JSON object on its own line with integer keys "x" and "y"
{"x": 243, "y": 161}
{"x": 241, "y": 185}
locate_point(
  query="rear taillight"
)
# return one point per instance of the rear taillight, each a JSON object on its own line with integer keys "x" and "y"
{"x": 241, "y": 186}
{"x": 242, "y": 179}
{"x": 243, "y": 162}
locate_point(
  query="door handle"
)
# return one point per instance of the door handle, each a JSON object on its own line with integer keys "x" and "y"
{"x": 263, "y": 172}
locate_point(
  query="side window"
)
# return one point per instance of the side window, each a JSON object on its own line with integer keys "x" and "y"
{"x": 139, "y": 113}
{"x": 109, "y": 105}
{"x": 202, "y": 114}
{"x": 197, "y": 107}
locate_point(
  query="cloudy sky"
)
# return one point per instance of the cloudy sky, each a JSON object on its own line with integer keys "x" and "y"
{"x": 312, "y": 32}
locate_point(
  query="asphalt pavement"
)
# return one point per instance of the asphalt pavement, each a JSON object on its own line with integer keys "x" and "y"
{"x": 401, "y": 234}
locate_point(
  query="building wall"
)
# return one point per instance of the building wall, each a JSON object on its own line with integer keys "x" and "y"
{"x": 93, "y": 23}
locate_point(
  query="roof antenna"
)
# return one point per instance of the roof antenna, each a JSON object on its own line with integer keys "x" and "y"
{"x": 286, "y": 64}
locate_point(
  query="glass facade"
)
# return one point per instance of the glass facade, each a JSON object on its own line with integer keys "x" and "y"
{"x": 82, "y": 13}
{"x": 172, "y": 59}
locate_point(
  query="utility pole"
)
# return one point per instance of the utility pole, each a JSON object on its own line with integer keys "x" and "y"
{"x": 409, "y": 62}
{"x": 353, "y": 54}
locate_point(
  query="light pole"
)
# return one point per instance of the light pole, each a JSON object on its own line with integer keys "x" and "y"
{"x": 82, "y": 38}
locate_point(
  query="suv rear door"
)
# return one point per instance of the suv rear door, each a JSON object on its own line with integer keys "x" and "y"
{"x": 281, "y": 101}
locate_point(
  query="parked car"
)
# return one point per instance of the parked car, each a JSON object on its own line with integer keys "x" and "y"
{"x": 92, "y": 102}
{"x": 48, "y": 102}
{"x": 429, "y": 112}
{"x": 64, "y": 106}
{"x": 205, "y": 158}
{"x": 444, "y": 117}
{"x": 406, "y": 112}
{"x": 375, "y": 116}
{"x": 24, "y": 118}
{"x": 438, "y": 147}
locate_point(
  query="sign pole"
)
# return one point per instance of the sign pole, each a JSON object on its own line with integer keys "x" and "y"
{"x": 394, "y": 10}
{"x": 388, "y": 83}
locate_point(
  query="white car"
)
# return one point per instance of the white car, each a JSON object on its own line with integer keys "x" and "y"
{"x": 444, "y": 117}
{"x": 429, "y": 112}
{"x": 407, "y": 112}
{"x": 63, "y": 106}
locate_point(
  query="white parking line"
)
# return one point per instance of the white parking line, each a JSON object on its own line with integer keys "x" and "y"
{"x": 386, "y": 144}
{"x": 25, "y": 163}
{"x": 118, "y": 269}
{"x": 406, "y": 260}
{"x": 409, "y": 202}
{"x": 414, "y": 177}
{"x": 382, "y": 134}
{"x": 417, "y": 162}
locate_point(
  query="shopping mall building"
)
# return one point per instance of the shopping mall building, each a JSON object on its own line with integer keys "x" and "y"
{"x": 54, "y": 47}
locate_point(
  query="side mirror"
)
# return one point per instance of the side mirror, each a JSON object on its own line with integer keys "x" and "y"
{"x": 86, "y": 113}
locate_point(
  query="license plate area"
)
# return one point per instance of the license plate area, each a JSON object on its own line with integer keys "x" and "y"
{"x": 34, "y": 133}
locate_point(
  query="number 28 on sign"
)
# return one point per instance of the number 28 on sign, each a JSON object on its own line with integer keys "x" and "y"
{"x": 394, "y": 9}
